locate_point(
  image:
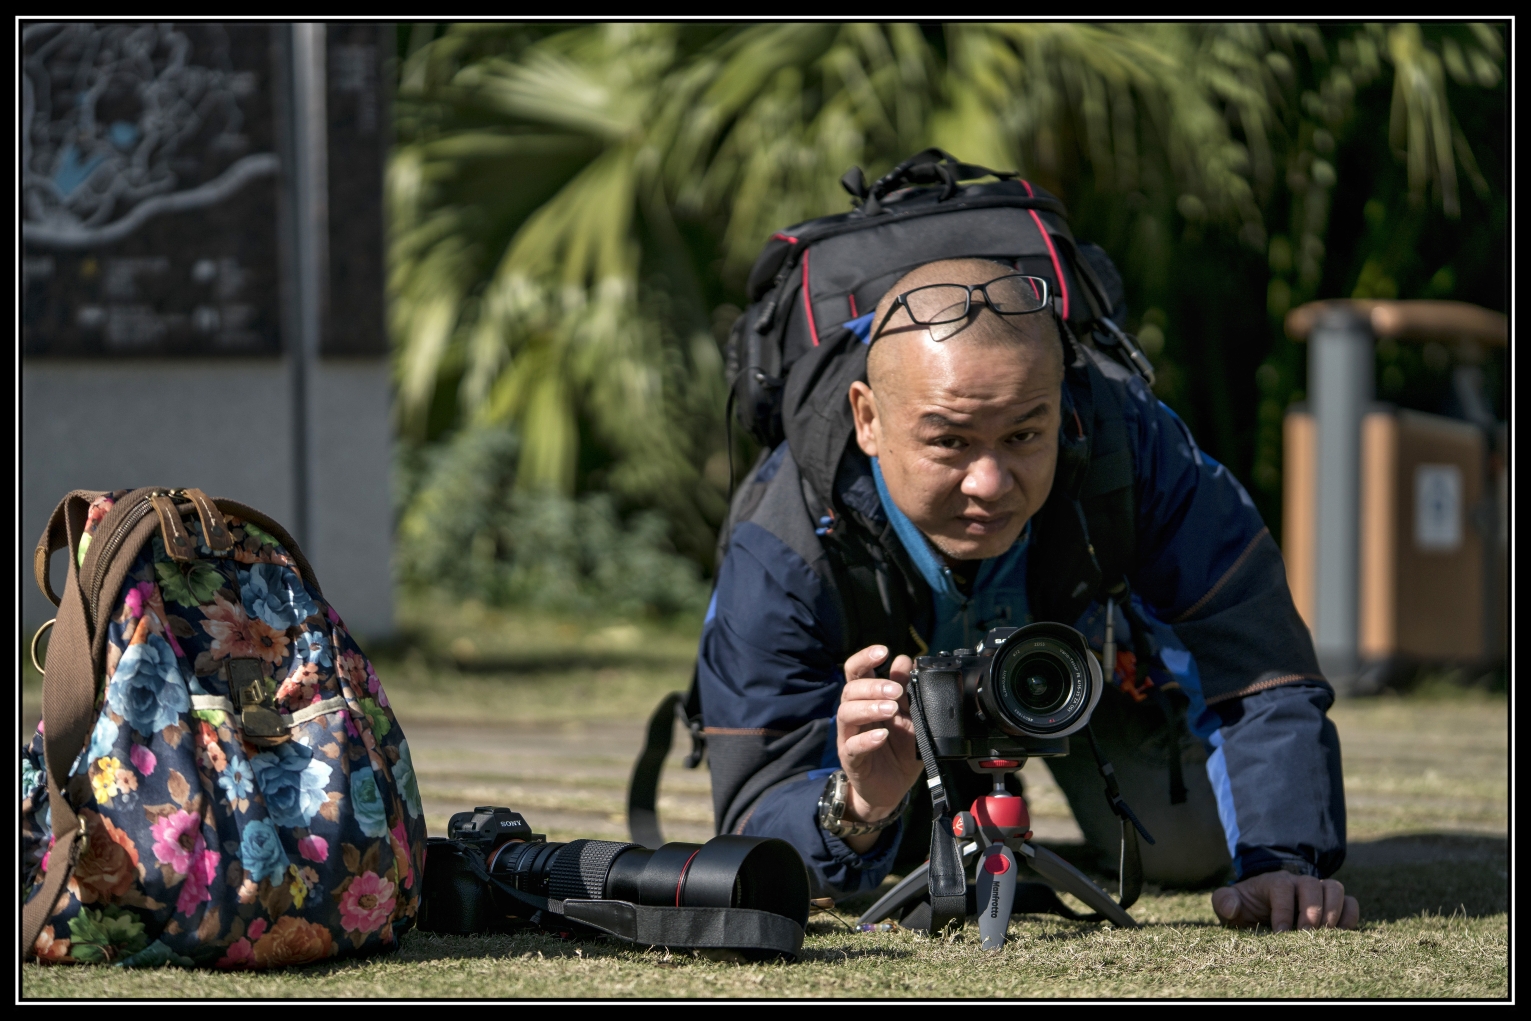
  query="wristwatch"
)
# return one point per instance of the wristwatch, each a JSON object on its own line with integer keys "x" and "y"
{"x": 832, "y": 810}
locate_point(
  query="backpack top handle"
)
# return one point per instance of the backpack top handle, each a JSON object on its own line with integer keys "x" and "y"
{"x": 929, "y": 166}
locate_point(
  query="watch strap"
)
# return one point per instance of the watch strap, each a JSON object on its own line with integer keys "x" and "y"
{"x": 832, "y": 806}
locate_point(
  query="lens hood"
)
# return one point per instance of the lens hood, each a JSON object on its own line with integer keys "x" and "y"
{"x": 1063, "y": 660}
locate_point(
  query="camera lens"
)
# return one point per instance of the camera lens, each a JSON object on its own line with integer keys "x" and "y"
{"x": 1038, "y": 683}
{"x": 1041, "y": 682}
{"x": 729, "y": 871}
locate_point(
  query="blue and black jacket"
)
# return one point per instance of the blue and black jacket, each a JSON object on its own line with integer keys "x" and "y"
{"x": 814, "y": 569}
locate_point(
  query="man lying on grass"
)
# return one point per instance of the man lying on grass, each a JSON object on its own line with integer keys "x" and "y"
{"x": 1220, "y": 740}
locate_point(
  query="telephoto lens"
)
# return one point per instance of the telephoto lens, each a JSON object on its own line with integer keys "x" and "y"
{"x": 729, "y": 871}
{"x": 726, "y": 872}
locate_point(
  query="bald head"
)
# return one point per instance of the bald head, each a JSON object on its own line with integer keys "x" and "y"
{"x": 901, "y": 343}
{"x": 965, "y": 427}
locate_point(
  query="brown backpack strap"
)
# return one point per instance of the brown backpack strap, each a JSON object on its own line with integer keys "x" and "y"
{"x": 177, "y": 539}
{"x": 215, "y": 529}
{"x": 56, "y": 536}
{"x": 69, "y": 696}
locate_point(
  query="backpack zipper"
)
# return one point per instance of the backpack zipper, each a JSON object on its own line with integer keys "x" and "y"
{"x": 114, "y": 541}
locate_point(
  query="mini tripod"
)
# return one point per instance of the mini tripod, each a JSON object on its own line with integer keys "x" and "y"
{"x": 994, "y": 833}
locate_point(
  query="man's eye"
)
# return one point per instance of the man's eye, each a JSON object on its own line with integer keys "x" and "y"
{"x": 950, "y": 442}
{"x": 1025, "y": 437}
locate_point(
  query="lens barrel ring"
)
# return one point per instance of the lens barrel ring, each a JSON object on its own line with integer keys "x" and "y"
{"x": 579, "y": 870}
{"x": 1056, "y": 651}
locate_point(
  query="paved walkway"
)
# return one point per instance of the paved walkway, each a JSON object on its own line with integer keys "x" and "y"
{"x": 570, "y": 779}
{"x": 1410, "y": 768}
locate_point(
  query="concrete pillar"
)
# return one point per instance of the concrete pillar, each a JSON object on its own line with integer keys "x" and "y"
{"x": 1340, "y": 368}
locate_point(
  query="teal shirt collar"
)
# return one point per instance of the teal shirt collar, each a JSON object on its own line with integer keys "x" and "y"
{"x": 931, "y": 567}
{"x": 935, "y": 572}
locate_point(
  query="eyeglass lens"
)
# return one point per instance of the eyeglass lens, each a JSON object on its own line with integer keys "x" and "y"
{"x": 945, "y": 303}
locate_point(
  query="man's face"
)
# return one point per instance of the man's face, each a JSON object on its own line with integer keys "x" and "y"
{"x": 965, "y": 431}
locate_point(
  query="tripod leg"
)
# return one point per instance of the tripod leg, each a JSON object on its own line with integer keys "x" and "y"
{"x": 995, "y": 880}
{"x": 1065, "y": 877}
{"x": 909, "y": 889}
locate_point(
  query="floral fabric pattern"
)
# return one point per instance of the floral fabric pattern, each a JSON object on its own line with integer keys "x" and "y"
{"x": 204, "y": 847}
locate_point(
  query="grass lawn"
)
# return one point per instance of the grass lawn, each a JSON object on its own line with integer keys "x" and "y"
{"x": 1426, "y": 785}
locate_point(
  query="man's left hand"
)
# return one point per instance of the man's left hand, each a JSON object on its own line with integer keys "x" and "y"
{"x": 1285, "y": 901}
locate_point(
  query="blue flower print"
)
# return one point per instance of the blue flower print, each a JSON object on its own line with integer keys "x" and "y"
{"x": 237, "y": 780}
{"x": 103, "y": 739}
{"x": 276, "y": 595}
{"x": 367, "y": 802}
{"x": 31, "y": 778}
{"x": 404, "y": 778}
{"x": 148, "y": 690}
{"x": 261, "y": 851}
{"x": 313, "y": 647}
{"x": 291, "y": 783}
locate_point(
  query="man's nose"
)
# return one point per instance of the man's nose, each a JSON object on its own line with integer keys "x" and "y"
{"x": 986, "y": 479}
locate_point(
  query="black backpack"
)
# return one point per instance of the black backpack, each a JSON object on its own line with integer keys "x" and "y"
{"x": 813, "y": 277}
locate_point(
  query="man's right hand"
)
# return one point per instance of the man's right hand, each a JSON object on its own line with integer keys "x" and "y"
{"x": 875, "y": 740}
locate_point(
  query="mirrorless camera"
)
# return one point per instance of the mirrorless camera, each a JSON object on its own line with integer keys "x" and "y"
{"x": 1019, "y": 694}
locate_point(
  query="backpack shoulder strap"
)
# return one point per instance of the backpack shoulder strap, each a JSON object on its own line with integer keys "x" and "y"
{"x": 1108, "y": 493}
{"x": 643, "y": 786}
{"x": 1085, "y": 534}
{"x": 69, "y": 702}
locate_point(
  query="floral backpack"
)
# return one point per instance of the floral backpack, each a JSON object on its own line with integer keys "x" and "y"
{"x": 218, "y": 780}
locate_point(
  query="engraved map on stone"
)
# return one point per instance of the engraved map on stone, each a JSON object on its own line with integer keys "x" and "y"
{"x": 101, "y": 158}
{"x": 148, "y": 179}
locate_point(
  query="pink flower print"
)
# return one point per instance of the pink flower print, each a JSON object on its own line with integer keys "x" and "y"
{"x": 134, "y": 600}
{"x": 204, "y": 868}
{"x": 239, "y": 956}
{"x": 178, "y": 840}
{"x": 143, "y": 600}
{"x": 143, "y": 759}
{"x": 257, "y": 930}
{"x": 367, "y": 903}
{"x": 401, "y": 852}
{"x": 331, "y": 615}
{"x": 314, "y": 848}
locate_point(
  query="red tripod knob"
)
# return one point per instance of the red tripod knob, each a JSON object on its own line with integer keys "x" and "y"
{"x": 1005, "y": 815}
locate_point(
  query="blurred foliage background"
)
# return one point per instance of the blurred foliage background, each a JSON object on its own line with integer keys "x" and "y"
{"x": 574, "y": 209}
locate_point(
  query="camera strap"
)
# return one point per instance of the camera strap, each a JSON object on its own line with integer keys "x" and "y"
{"x": 703, "y": 928}
{"x": 1130, "y": 865}
{"x": 948, "y": 882}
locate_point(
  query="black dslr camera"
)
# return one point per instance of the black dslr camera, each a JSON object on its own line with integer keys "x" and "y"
{"x": 1020, "y": 694}
{"x": 493, "y": 874}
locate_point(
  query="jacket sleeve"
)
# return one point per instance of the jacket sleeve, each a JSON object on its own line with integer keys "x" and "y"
{"x": 769, "y": 676}
{"x": 1275, "y": 770}
{"x": 1208, "y": 567}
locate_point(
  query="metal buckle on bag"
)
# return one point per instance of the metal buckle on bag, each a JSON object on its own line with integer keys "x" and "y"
{"x": 253, "y": 695}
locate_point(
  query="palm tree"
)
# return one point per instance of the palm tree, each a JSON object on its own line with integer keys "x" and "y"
{"x": 573, "y": 209}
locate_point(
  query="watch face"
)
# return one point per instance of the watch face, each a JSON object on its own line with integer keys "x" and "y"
{"x": 832, "y": 804}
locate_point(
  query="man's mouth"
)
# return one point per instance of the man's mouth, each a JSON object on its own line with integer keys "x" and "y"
{"x": 987, "y": 524}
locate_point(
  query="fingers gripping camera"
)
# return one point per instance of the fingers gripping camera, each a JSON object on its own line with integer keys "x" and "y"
{"x": 1021, "y": 692}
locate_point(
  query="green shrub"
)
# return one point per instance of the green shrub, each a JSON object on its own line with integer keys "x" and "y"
{"x": 465, "y": 529}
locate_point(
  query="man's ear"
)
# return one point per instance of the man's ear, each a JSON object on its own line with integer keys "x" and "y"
{"x": 864, "y": 411}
